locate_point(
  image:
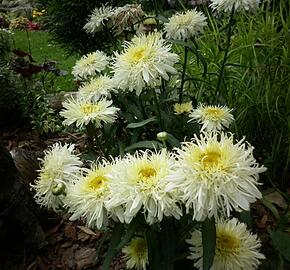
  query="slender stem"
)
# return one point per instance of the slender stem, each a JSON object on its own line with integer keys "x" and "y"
{"x": 226, "y": 52}
{"x": 142, "y": 106}
{"x": 183, "y": 75}
{"x": 28, "y": 40}
{"x": 158, "y": 109}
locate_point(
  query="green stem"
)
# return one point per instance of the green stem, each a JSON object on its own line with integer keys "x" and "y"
{"x": 226, "y": 52}
{"x": 28, "y": 41}
{"x": 183, "y": 75}
{"x": 158, "y": 110}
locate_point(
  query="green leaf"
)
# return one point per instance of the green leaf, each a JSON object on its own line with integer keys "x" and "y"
{"x": 172, "y": 140}
{"x": 144, "y": 144}
{"x": 115, "y": 240}
{"x": 208, "y": 242}
{"x": 142, "y": 123}
{"x": 281, "y": 242}
{"x": 129, "y": 233}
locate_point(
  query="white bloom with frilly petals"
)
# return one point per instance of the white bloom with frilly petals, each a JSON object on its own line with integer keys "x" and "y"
{"x": 140, "y": 184}
{"x": 88, "y": 195}
{"x": 82, "y": 112}
{"x": 97, "y": 88}
{"x": 212, "y": 118}
{"x": 144, "y": 61}
{"x": 58, "y": 167}
{"x": 90, "y": 64}
{"x": 236, "y": 247}
{"x": 227, "y": 5}
{"x": 185, "y": 25}
{"x": 136, "y": 254}
{"x": 97, "y": 19}
{"x": 219, "y": 175}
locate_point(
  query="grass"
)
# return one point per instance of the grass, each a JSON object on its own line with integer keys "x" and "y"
{"x": 42, "y": 49}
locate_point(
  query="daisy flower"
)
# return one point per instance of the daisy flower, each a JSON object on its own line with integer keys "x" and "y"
{"x": 88, "y": 195}
{"x": 82, "y": 112}
{"x": 58, "y": 167}
{"x": 143, "y": 62}
{"x": 90, "y": 64}
{"x": 236, "y": 247}
{"x": 140, "y": 185}
{"x": 219, "y": 175}
{"x": 227, "y": 5}
{"x": 212, "y": 118}
{"x": 126, "y": 17}
{"x": 136, "y": 254}
{"x": 185, "y": 25}
{"x": 96, "y": 88}
{"x": 180, "y": 108}
{"x": 98, "y": 18}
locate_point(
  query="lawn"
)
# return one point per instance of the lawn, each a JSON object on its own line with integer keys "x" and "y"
{"x": 42, "y": 49}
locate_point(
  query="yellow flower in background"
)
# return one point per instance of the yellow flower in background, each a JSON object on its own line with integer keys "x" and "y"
{"x": 180, "y": 108}
{"x": 81, "y": 112}
{"x": 219, "y": 175}
{"x": 90, "y": 64}
{"x": 136, "y": 254}
{"x": 212, "y": 118}
{"x": 236, "y": 247}
{"x": 58, "y": 167}
{"x": 185, "y": 25}
{"x": 37, "y": 13}
{"x": 227, "y": 5}
{"x": 144, "y": 61}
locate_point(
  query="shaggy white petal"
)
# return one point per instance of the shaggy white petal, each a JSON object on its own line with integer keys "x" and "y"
{"x": 81, "y": 112}
{"x": 236, "y": 247}
{"x": 90, "y": 64}
{"x": 58, "y": 168}
{"x": 227, "y": 5}
{"x": 139, "y": 184}
{"x": 219, "y": 175}
{"x": 98, "y": 18}
{"x": 136, "y": 254}
{"x": 212, "y": 118}
{"x": 185, "y": 25}
{"x": 97, "y": 88}
{"x": 143, "y": 62}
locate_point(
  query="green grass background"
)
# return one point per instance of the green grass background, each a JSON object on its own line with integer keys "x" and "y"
{"x": 42, "y": 49}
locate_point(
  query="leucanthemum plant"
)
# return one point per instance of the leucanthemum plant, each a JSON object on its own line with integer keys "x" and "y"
{"x": 156, "y": 177}
{"x": 229, "y": 5}
{"x": 236, "y": 247}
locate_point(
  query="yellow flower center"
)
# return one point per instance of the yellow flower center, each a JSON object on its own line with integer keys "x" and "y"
{"x": 90, "y": 108}
{"x": 227, "y": 243}
{"x": 138, "y": 54}
{"x": 97, "y": 182}
{"x": 147, "y": 173}
{"x": 214, "y": 113}
{"x": 210, "y": 158}
{"x": 139, "y": 247}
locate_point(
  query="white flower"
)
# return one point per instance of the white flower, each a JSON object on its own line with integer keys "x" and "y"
{"x": 136, "y": 254}
{"x": 98, "y": 18}
{"x": 87, "y": 197}
{"x": 212, "y": 118}
{"x": 185, "y": 25}
{"x": 90, "y": 64}
{"x": 96, "y": 88}
{"x": 126, "y": 17}
{"x": 227, "y": 5}
{"x": 59, "y": 167}
{"x": 140, "y": 185}
{"x": 180, "y": 108}
{"x": 219, "y": 175}
{"x": 236, "y": 247}
{"x": 144, "y": 61}
{"x": 82, "y": 112}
